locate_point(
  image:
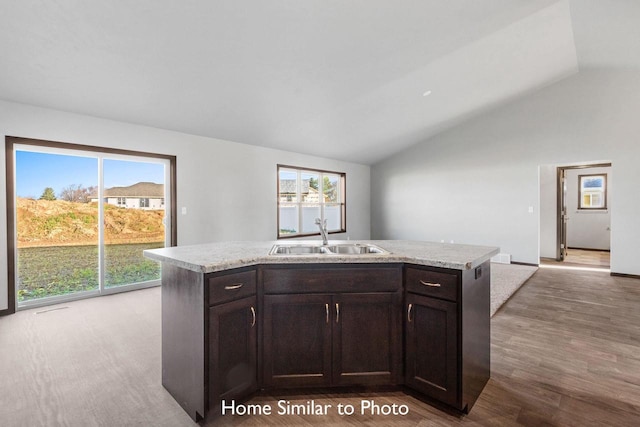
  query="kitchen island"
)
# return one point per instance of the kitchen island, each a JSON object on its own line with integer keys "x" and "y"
{"x": 236, "y": 319}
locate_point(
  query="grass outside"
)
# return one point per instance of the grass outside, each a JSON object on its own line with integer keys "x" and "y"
{"x": 59, "y": 270}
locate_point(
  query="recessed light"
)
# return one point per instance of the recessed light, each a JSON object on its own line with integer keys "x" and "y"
{"x": 427, "y": 93}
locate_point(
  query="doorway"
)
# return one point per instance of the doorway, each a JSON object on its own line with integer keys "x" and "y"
{"x": 581, "y": 215}
{"x": 82, "y": 217}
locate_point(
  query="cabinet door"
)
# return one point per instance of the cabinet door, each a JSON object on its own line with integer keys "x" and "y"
{"x": 432, "y": 347}
{"x": 232, "y": 352}
{"x": 297, "y": 340}
{"x": 367, "y": 332}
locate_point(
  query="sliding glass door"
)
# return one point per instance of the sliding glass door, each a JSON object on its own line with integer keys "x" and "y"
{"x": 56, "y": 224}
{"x": 134, "y": 211}
{"x": 82, "y": 220}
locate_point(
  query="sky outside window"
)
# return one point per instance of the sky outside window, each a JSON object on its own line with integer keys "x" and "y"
{"x": 37, "y": 171}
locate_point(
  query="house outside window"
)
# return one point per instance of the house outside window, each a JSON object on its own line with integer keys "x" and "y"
{"x": 592, "y": 191}
{"x": 307, "y": 194}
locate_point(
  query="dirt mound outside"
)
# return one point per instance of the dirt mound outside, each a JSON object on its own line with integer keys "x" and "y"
{"x": 61, "y": 223}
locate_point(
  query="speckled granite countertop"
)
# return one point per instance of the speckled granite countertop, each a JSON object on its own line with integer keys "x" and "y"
{"x": 211, "y": 257}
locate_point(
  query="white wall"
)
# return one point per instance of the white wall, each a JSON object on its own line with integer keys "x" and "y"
{"x": 229, "y": 189}
{"x": 587, "y": 229}
{"x": 476, "y": 182}
{"x": 548, "y": 210}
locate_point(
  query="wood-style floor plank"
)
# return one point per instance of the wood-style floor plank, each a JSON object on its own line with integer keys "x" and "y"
{"x": 583, "y": 257}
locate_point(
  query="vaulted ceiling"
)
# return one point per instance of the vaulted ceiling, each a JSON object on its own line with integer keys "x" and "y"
{"x": 345, "y": 79}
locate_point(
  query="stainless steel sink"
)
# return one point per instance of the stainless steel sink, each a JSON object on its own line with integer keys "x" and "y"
{"x": 296, "y": 250}
{"x": 318, "y": 249}
{"x": 356, "y": 249}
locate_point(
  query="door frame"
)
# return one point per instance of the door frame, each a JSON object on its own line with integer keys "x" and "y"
{"x": 11, "y": 142}
{"x": 561, "y": 215}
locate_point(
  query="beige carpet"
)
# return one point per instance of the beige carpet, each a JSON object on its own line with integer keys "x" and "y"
{"x": 94, "y": 362}
{"x": 506, "y": 279}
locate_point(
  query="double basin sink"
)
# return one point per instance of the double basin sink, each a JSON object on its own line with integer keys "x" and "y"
{"x": 335, "y": 249}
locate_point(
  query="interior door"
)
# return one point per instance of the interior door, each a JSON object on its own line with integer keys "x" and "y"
{"x": 561, "y": 251}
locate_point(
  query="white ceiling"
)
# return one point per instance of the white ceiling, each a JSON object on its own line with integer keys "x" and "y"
{"x": 337, "y": 78}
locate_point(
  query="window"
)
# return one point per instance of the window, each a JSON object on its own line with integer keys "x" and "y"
{"x": 67, "y": 239}
{"x": 307, "y": 194}
{"x": 592, "y": 191}
{"x": 144, "y": 203}
{"x": 122, "y": 201}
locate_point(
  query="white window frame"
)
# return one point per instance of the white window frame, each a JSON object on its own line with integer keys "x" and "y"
{"x": 584, "y": 191}
{"x": 299, "y": 203}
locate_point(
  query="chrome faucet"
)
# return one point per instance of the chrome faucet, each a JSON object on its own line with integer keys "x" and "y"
{"x": 322, "y": 224}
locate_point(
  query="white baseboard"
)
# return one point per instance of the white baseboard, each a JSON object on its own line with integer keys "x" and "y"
{"x": 502, "y": 258}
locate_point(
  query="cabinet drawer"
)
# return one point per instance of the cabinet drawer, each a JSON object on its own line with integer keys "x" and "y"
{"x": 432, "y": 283}
{"x": 232, "y": 286}
{"x": 332, "y": 279}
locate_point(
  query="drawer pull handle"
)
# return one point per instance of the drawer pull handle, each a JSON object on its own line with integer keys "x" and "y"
{"x": 337, "y": 313}
{"x": 409, "y": 313}
{"x": 433, "y": 285}
{"x": 253, "y": 321}
{"x": 233, "y": 287}
{"x": 326, "y": 307}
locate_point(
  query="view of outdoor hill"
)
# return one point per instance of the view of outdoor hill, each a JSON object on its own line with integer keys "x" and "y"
{"x": 61, "y": 223}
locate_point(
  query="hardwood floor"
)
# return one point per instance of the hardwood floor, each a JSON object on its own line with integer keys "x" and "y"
{"x": 590, "y": 257}
{"x": 565, "y": 351}
{"x": 582, "y": 257}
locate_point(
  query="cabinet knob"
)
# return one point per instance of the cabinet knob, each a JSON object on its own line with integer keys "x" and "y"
{"x": 337, "y": 313}
{"x": 409, "y": 308}
{"x": 326, "y": 307}
{"x": 233, "y": 287}
{"x": 253, "y": 313}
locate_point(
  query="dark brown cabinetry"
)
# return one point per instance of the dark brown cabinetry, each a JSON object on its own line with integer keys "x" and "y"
{"x": 232, "y": 351}
{"x": 227, "y": 334}
{"x": 347, "y": 337}
{"x": 367, "y": 345}
{"x": 232, "y": 337}
{"x": 447, "y": 333}
{"x": 209, "y": 337}
{"x": 431, "y": 351}
{"x": 297, "y": 340}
